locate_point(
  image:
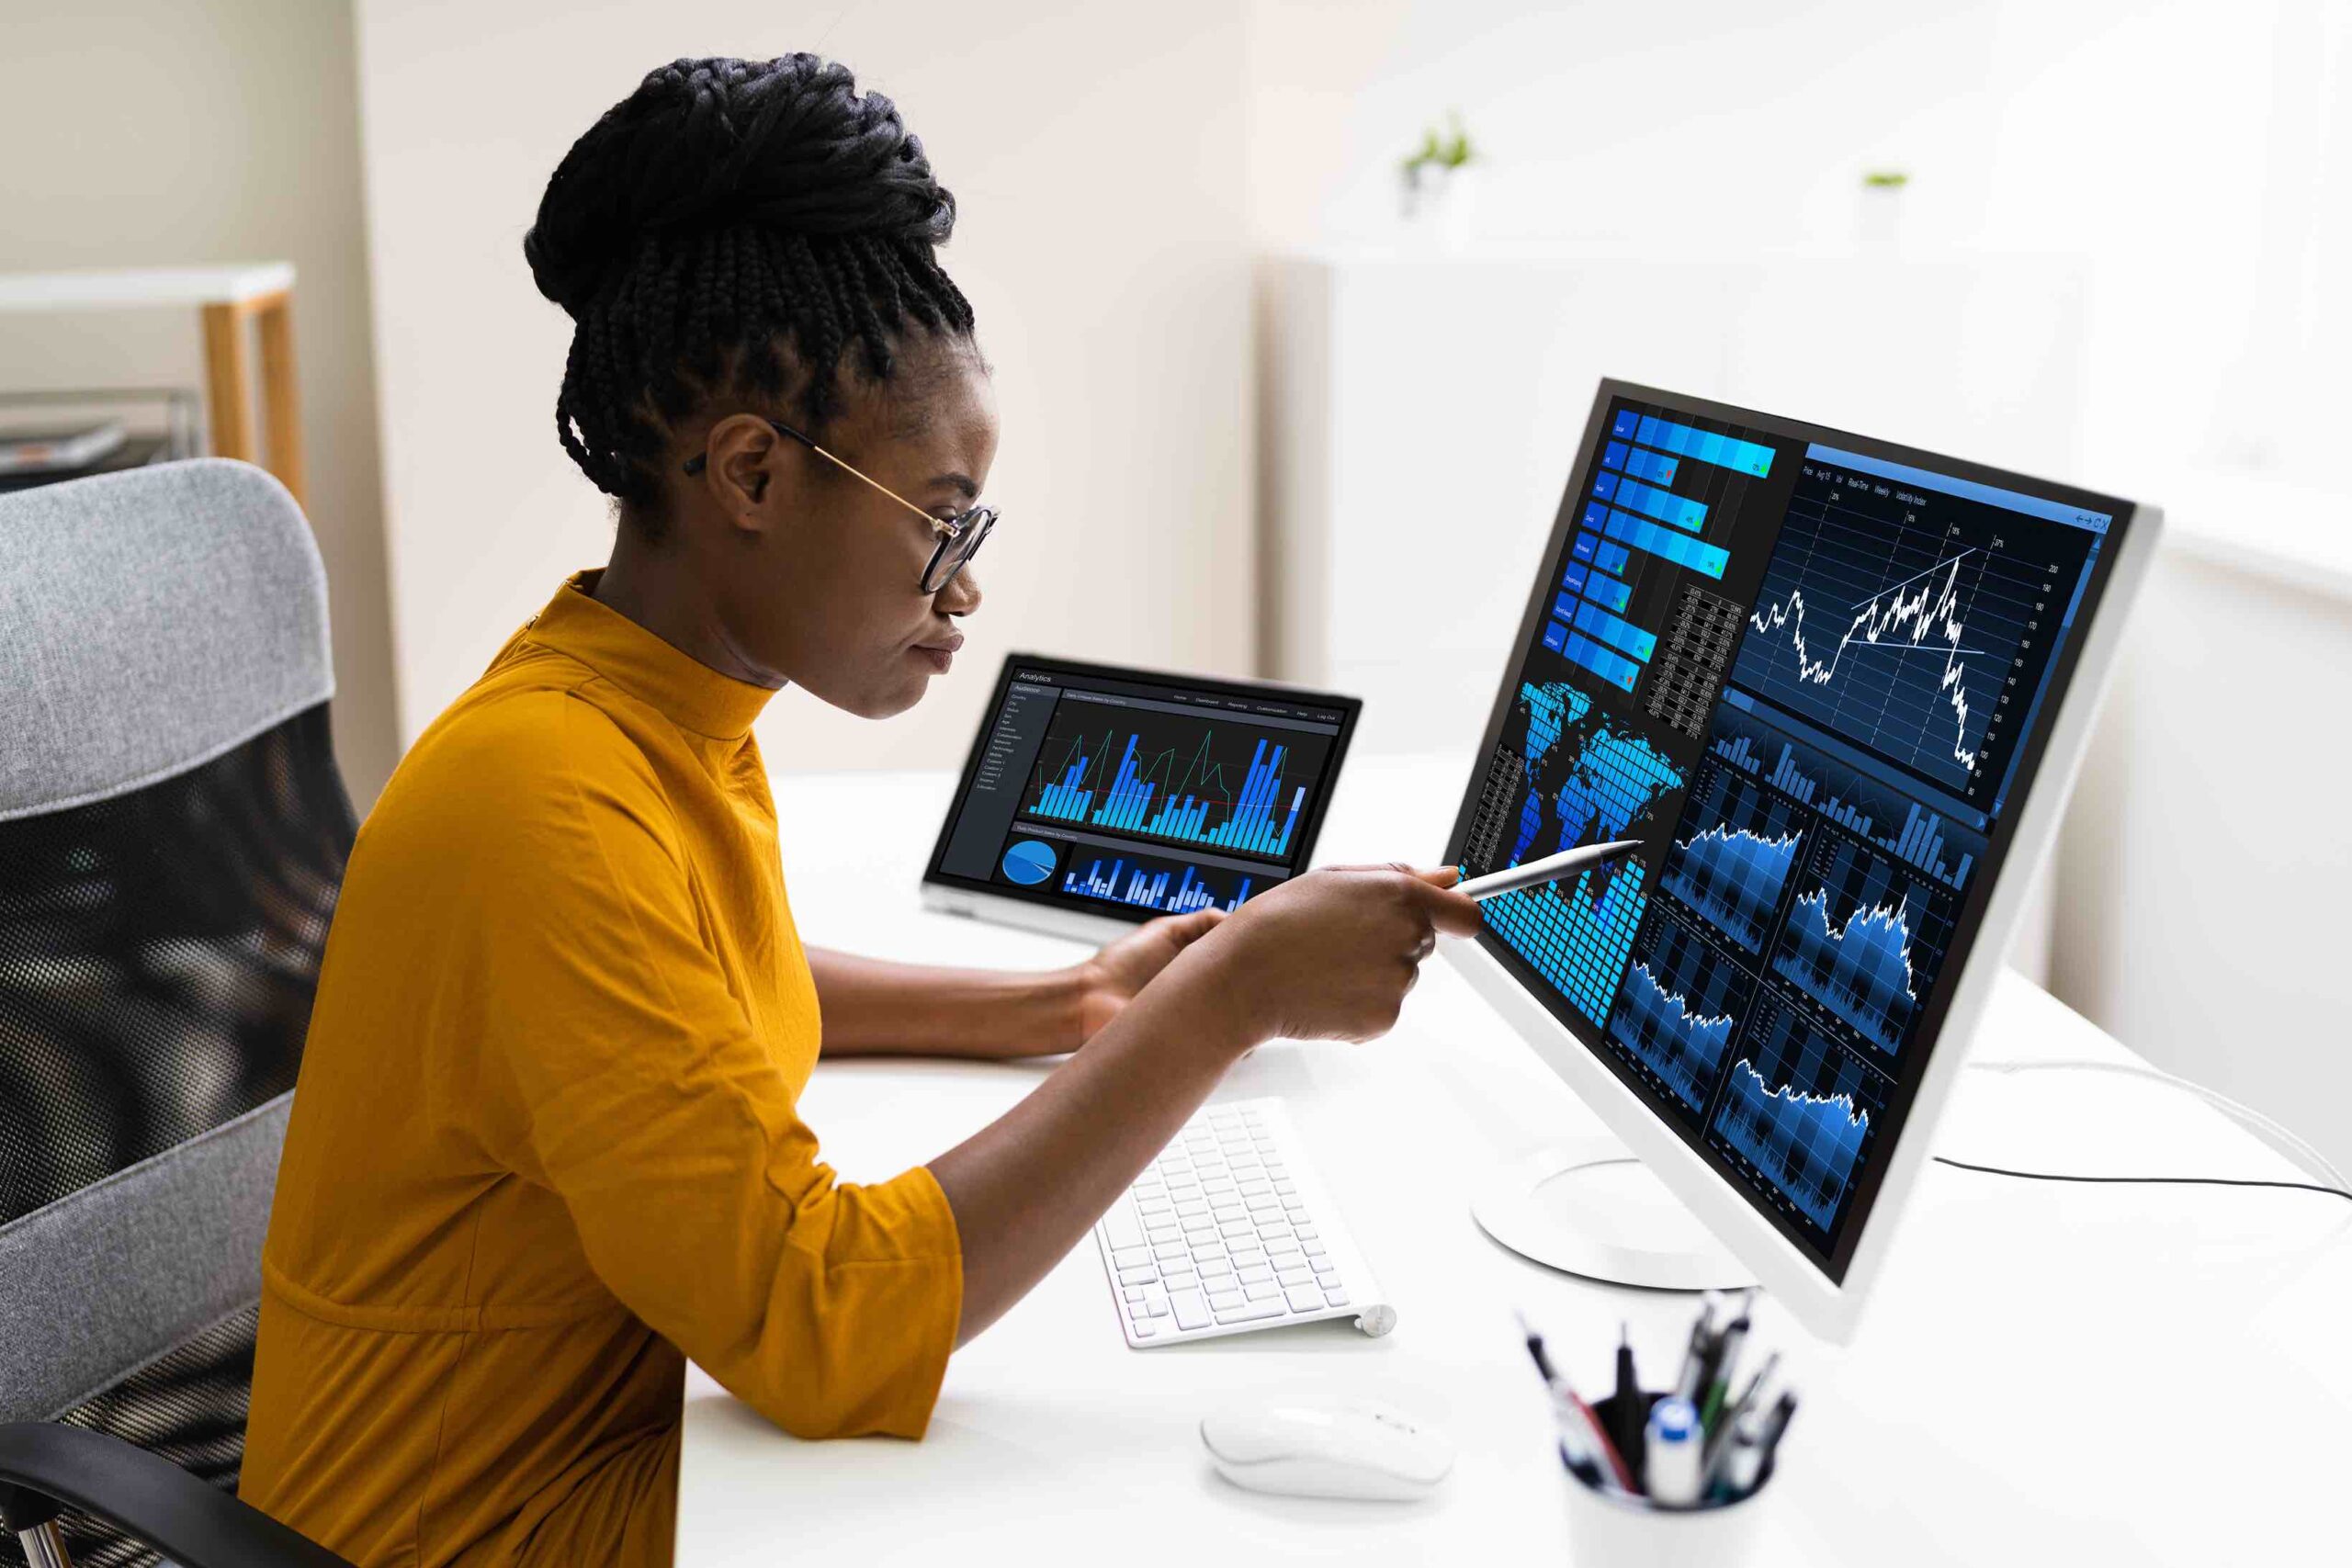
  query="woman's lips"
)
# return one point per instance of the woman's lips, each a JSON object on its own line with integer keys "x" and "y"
{"x": 941, "y": 655}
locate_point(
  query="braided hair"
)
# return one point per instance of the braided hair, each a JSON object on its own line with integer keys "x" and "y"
{"x": 733, "y": 226}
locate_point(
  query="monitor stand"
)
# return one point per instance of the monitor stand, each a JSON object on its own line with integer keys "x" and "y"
{"x": 1591, "y": 1207}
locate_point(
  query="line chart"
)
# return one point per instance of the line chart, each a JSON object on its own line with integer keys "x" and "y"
{"x": 1897, "y": 620}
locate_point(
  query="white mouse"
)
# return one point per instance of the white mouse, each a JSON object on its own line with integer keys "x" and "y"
{"x": 1355, "y": 1450}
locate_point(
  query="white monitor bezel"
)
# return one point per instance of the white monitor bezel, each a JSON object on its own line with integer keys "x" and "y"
{"x": 1829, "y": 1308}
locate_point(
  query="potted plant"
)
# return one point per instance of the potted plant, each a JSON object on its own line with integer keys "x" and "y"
{"x": 1437, "y": 181}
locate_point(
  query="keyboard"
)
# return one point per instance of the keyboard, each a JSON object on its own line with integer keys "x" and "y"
{"x": 1229, "y": 1230}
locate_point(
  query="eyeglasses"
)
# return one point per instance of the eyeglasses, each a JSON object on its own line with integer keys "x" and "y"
{"x": 959, "y": 538}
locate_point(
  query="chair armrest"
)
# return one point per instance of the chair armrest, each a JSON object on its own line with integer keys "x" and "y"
{"x": 152, "y": 1499}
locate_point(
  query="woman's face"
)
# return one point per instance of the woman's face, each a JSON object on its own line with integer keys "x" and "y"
{"x": 819, "y": 575}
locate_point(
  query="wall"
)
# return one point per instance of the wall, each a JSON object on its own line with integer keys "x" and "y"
{"x": 1102, "y": 240}
{"x": 149, "y": 132}
{"x": 2195, "y": 162}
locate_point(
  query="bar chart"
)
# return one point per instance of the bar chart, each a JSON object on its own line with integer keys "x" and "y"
{"x": 1664, "y": 495}
{"x": 1182, "y": 781}
{"x": 1148, "y": 882}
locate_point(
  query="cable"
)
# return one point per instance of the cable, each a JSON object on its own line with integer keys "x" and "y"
{"x": 2180, "y": 1180}
{"x": 2288, "y": 1143}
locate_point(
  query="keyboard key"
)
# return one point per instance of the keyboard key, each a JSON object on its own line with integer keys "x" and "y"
{"x": 1190, "y": 1310}
{"x": 1144, "y": 1276}
{"x": 1222, "y": 1301}
{"x": 1335, "y": 1298}
{"x": 1121, "y": 1227}
{"x": 1146, "y": 1328}
{"x": 1287, "y": 1189}
{"x": 1248, "y": 1256}
{"x": 1254, "y": 1275}
{"x": 1133, "y": 1293}
{"x": 1187, "y": 1281}
{"x": 1160, "y": 1235}
{"x": 1216, "y": 1267}
{"x": 1310, "y": 1246}
{"x": 1131, "y": 1257}
{"x": 1232, "y": 1228}
{"x": 1262, "y": 1290}
{"x": 1249, "y": 1312}
{"x": 1289, "y": 1277}
{"x": 1304, "y": 1298}
{"x": 1155, "y": 1302}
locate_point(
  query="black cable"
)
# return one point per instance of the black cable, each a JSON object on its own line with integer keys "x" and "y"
{"x": 2172, "y": 1180}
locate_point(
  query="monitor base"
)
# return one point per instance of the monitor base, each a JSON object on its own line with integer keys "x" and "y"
{"x": 1590, "y": 1207}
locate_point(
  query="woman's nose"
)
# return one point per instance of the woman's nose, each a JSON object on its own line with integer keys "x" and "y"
{"x": 962, "y": 596}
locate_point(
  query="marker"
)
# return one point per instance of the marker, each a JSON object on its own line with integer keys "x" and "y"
{"x": 1672, "y": 1465}
{"x": 1739, "y": 1459}
{"x": 1695, "y": 1361}
{"x": 1549, "y": 869}
{"x": 1775, "y": 1424}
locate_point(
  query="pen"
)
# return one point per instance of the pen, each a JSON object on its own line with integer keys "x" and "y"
{"x": 1686, "y": 1385}
{"x": 1550, "y": 868}
{"x": 1631, "y": 1409}
{"x": 1768, "y": 1442}
{"x": 1719, "y": 1371}
{"x": 1577, "y": 1426}
{"x": 1740, "y": 1460}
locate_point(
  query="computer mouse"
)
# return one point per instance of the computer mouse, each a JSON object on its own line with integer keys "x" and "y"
{"x": 1354, "y": 1451}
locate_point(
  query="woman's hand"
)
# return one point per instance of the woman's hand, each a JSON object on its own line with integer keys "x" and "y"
{"x": 1330, "y": 955}
{"x": 1110, "y": 979}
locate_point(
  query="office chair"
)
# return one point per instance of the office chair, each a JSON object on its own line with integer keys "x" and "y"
{"x": 172, "y": 834}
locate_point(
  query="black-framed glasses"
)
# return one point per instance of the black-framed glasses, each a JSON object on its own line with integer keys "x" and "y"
{"x": 961, "y": 537}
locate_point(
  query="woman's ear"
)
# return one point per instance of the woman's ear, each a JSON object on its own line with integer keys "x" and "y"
{"x": 743, "y": 450}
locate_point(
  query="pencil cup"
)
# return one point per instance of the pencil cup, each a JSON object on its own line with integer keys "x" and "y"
{"x": 1609, "y": 1529}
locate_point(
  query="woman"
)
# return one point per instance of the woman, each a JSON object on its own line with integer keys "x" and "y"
{"x": 546, "y": 1145}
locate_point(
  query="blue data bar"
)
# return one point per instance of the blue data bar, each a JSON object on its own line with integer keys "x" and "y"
{"x": 1623, "y": 636}
{"x": 1588, "y": 543}
{"x": 1613, "y": 454}
{"x": 1667, "y": 543}
{"x": 1613, "y": 557}
{"x": 1619, "y": 672}
{"x": 1607, "y": 592}
{"x": 1555, "y": 635}
{"x": 1678, "y": 510}
{"x": 1656, "y": 468}
{"x": 1573, "y": 580}
{"x": 1687, "y": 441}
{"x": 1992, "y": 495}
{"x": 1604, "y": 485}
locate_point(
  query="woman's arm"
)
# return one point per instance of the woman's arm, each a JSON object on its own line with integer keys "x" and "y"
{"x": 1329, "y": 954}
{"x": 874, "y": 1006}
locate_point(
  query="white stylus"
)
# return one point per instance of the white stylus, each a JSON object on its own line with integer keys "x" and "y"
{"x": 1550, "y": 868}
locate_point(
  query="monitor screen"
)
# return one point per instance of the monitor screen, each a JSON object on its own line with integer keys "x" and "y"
{"x": 1131, "y": 794}
{"x": 1810, "y": 672}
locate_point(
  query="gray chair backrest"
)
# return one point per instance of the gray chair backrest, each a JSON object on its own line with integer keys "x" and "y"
{"x": 171, "y": 838}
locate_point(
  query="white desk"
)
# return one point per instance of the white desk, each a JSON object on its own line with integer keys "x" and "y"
{"x": 2037, "y": 1380}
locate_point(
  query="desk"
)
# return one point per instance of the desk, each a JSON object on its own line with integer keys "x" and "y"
{"x": 2126, "y": 1322}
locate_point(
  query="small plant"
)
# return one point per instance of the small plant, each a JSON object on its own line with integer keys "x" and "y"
{"x": 1447, "y": 150}
{"x": 1884, "y": 179}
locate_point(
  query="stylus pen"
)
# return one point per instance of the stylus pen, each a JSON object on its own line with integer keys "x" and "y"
{"x": 1549, "y": 869}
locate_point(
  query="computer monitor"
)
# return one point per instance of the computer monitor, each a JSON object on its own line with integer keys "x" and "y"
{"x": 1839, "y": 688}
{"x": 1097, "y": 798}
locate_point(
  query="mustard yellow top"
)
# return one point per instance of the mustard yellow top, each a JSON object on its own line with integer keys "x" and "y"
{"x": 544, "y": 1145}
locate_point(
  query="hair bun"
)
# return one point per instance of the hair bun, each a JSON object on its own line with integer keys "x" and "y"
{"x": 789, "y": 145}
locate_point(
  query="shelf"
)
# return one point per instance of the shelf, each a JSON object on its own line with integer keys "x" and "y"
{"x": 112, "y": 288}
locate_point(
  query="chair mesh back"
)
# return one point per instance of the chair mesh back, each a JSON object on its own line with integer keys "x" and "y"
{"x": 171, "y": 847}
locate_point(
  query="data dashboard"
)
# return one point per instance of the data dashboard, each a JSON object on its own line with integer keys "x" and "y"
{"x": 1136, "y": 794}
{"x": 1810, "y": 675}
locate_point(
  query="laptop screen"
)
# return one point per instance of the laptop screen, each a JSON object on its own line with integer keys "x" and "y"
{"x": 1132, "y": 794}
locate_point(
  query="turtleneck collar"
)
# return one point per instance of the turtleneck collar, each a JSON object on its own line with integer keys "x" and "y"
{"x": 689, "y": 692}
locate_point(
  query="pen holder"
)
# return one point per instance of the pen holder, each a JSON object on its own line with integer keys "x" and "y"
{"x": 1607, "y": 1529}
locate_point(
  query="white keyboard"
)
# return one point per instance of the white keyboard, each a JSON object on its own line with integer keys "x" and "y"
{"x": 1230, "y": 1231}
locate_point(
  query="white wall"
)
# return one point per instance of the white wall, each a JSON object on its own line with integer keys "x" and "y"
{"x": 2195, "y": 162}
{"x": 155, "y": 132}
{"x": 1099, "y": 166}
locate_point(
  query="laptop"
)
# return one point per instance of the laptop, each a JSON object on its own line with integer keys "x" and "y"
{"x": 1097, "y": 798}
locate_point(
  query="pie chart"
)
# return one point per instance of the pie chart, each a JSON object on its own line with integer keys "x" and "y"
{"x": 1028, "y": 861}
